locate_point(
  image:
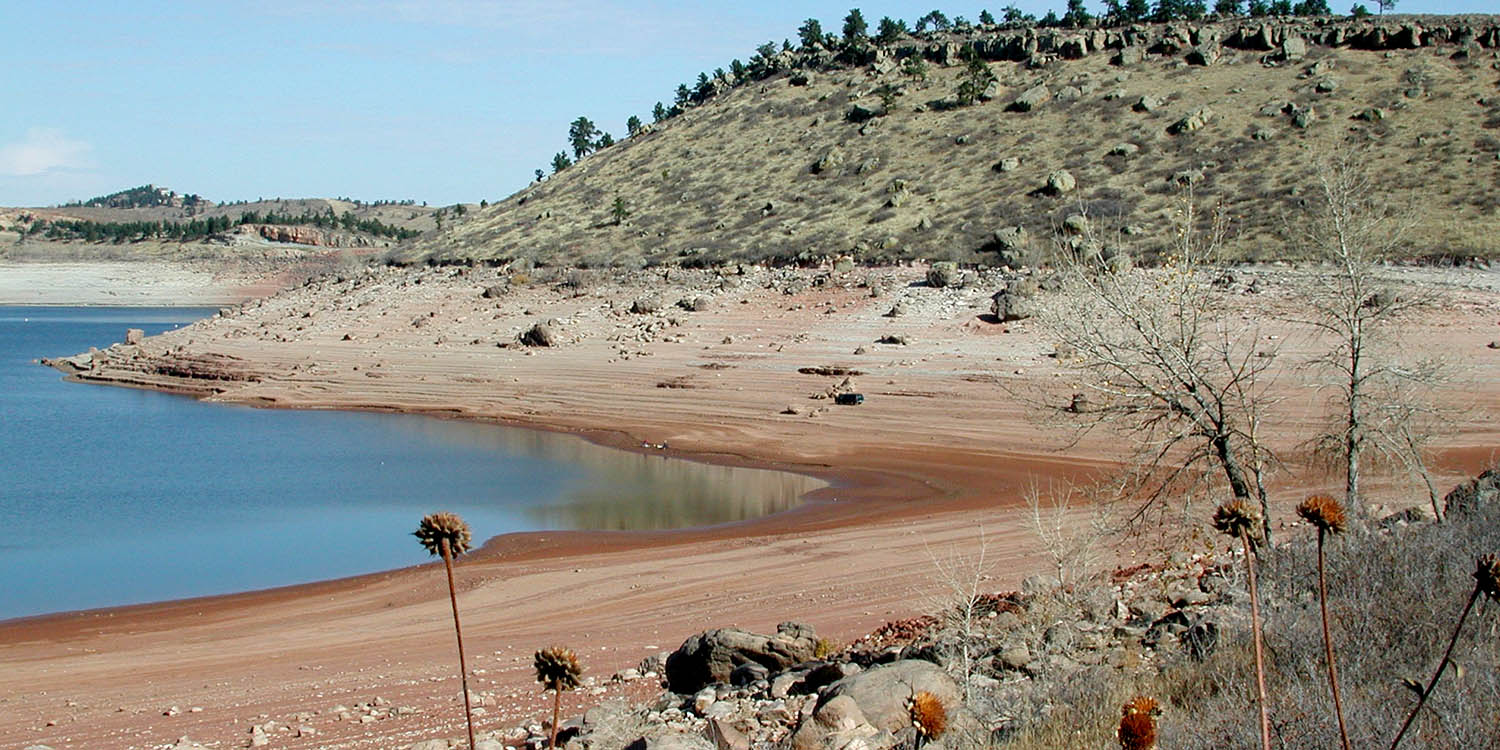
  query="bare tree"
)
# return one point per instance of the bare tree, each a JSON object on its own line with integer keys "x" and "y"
{"x": 1072, "y": 544}
{"x": 1377, "y": 399}
{"x": 1163, "y": 359}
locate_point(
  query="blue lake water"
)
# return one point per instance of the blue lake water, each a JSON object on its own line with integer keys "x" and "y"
{"x": 117, "y": 496}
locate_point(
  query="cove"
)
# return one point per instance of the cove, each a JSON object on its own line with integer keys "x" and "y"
{"x": 118, "y": 496}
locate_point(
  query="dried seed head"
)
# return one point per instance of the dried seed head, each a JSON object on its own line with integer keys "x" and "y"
{"x": 557, "y": 668}
{"x": 928, "y": 715}
{"x": 1236, "y": 518}
{"x": 1487, "y": 576}
{"x": 439, "y": 526}
{"x": 1323, "y": 512}
{"x": 1137, "y": 729}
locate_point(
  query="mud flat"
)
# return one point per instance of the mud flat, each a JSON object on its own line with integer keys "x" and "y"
{"x": 732, "y": 368}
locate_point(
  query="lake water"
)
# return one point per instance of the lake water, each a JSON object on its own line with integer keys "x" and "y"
{"x": 116, "y": 496}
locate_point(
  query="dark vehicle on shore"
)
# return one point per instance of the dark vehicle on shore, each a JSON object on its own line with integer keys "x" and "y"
{"x": 849, "y": 399}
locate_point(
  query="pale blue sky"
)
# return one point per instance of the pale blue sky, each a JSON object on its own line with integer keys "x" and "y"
{"x": 439, "y": 101}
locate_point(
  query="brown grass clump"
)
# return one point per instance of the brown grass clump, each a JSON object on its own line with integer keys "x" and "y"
{"x": 557, "y": 669}
{"x": 1138, "y": 724}
{"x": 1323, "y": 512}
{"x": 928, "y": 715}
{"x": 446, "y": 535}
{"x": 1486, "y": 583}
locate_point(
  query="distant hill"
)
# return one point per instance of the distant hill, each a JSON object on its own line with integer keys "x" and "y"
{"x": 145, "y": 196}
{"x": 871, "y": 151}
{"x": 153, "y": 220}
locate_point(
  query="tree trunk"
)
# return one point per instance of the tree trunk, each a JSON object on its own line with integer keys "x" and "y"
{"x": 1239, "y": 483}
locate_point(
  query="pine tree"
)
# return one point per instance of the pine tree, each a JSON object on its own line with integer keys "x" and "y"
{"x": 810, "y": 33}
{"x": 581, "y": 135}
{"x": 633, "y": 125}
{"x": 890, "y": 30}
{"x": 855, "y": 28}
{"x": 560, "y": 162}
{"x": 986, "y": 18}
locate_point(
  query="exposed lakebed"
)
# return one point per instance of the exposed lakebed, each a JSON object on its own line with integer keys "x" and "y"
{"x": 117, "y": 496}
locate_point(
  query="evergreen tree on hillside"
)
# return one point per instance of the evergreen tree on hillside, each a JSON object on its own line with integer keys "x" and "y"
{"x": 810, "y": 33}
{"x": 855, "y": 28}
{"x": 581, "y": 135}
{"x": 1228, "y": 8}
{"x": 560, "y": 161}
{"x": 890, "y": 30}
{"x": 633, "y": 125}
{"x": 1312, "y": 8}
{"x": 934, "y": 20}
{"x": 1259, "y": 9}
{"x": 737, "y": 68}
{"x": 976, "y": 77}
{"x": 605, "y": 141}
{"x": 986, "y": 18}
{"x": 1137, "y": 10}
{"x": 1077, "y": 16}
{"x": 1386, "y": 5}
{"x": 659, "y": 112}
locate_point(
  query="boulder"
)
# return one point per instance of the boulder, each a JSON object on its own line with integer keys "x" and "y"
{"x": 830, "y": 161}
{"x": 1011, "y": 239}
{"x": 679, "y": 741}
{"x": 1203, "y": 54}
{"x": 1131, "y": 55}
{"x": 646, "y": 305}
{"x": 944, "y": 273}
{"x": 134, "y": 336}
{"x": 1008, "y": 164}
{"x": 1060, "y": 182}
{"x": 494, "y": 291}
{"x": 1195, "y": 120}
{"x": 1473, "y": 495}
{"x": 1125, "y": 149}
{"x": 839, "y": 724}
{"x": 1030, "y": 99}
{"x": 540, "y": 334}
{"x": 1016, "y": 302}
{"x": 1148, "y": 103}
{"x": 880, "y": 693}
{"x": 711, "y": 657}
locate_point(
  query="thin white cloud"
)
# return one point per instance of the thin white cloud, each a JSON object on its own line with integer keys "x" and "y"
{"x": 43, "y": 150}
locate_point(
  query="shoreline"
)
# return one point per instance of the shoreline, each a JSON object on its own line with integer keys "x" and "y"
{"x": 939, "y": 457}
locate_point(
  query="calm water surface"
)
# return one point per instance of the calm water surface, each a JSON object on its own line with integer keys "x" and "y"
{"x": 117, "y": 496}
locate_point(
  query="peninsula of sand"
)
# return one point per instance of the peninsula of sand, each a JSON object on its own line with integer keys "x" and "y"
{"x": 961, "y": 414}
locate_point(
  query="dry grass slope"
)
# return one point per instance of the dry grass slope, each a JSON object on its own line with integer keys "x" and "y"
{"x": 733, "y": 179}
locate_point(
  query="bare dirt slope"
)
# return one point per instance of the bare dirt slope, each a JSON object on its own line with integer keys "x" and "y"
{"x": 944, "y": 445}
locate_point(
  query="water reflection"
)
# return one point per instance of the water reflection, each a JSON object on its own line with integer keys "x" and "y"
{"x": 615, "y": 490}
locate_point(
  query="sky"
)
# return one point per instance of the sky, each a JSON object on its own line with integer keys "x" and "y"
{"x": 439, "y": 100}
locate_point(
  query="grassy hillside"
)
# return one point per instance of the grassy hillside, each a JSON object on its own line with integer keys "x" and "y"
{"x": 737, "y": 177}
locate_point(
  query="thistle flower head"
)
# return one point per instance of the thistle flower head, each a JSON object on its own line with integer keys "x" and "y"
{"x": 1137, "y": 729}
{"x": 1236, "y": 518}
{"x": 557, "y": 668}
{"x": 1487, "y": 576}
{"x": 1323, "y": 512}
{"x": 927, "y": 714}
{"x": 440, "y": 526}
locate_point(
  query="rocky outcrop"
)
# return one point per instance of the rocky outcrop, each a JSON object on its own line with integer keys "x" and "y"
{"x": 1286, "y": 38}
{"x": 710, "y": 657}
{"x": 1474, "y": 494}
{"x": 301, "y": 235}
